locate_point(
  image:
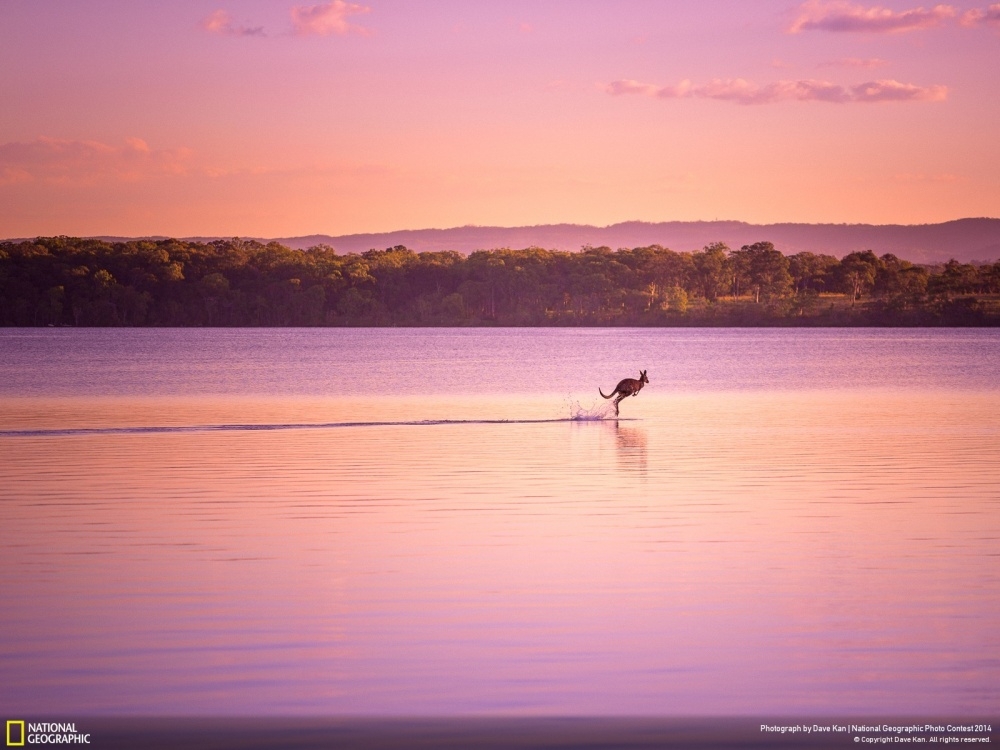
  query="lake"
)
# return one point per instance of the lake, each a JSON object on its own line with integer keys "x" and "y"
{"x": 449, "y": 522}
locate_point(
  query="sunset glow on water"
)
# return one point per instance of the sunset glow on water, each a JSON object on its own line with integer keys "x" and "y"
{"x": 719, "y": 551}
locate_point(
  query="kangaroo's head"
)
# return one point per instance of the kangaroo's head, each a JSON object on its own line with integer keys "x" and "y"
{"x": 642, "y": 377}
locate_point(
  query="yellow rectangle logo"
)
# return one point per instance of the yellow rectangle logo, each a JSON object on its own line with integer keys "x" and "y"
{"x": 10, "y": 740}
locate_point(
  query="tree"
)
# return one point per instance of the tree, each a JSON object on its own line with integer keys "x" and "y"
{"x": 738, "y": 270}
{"x": 858, "y": 272}
{"x": 766, "y": 271}
{"x": 710, "y": 270}
{"x": 811, "y": 272}
{"x": 956, "y": 278}
{"x": 214, "y": 288}
{"x": 677, "y": 300}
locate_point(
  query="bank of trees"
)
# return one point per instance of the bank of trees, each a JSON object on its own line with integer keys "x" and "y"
{"x": 83, "y": 282}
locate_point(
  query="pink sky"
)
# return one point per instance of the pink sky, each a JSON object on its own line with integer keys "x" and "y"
{"x": 271, "y": 118}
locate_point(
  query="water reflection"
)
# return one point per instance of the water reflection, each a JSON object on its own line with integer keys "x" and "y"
{"x": 632, "y": 447}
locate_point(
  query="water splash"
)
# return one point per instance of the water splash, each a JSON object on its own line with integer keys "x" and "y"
{"x": 596, "y": 413}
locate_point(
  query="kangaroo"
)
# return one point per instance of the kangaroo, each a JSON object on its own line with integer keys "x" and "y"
{"x": 627, "y": 387}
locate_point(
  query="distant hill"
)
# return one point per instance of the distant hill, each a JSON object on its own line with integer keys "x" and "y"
{"x": 963, "y": 239}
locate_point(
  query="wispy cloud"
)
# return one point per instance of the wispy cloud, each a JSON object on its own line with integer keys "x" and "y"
{"x": 867, "y": 63}
{"x": 989, "y": 16}
{"x": 628, "y": 86}
{"x": 741, "y": 91}
{"x": 57, "y": 161}
{"x": 894, "y": 91}
{"x": 846, "y": 16}
{"x": 220, "y": 22}
{"x": 328, "y": 18}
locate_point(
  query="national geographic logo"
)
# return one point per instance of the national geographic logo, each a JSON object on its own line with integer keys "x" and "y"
{"x": 20, "y": 733}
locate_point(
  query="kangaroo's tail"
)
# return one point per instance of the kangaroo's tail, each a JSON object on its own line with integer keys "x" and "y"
{"x": 602, "y": 392}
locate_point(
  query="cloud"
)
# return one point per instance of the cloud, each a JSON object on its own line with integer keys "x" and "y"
{"x": 741, "y": 91}
{"x": 977, "y": 17}
{"x": 628, "y": 86}
{"x": 220, "y": 22}
{"x": 328, "y": 18}
{"x": 845, "y": 16}
{"x": 64, "y": 162}
{"x": 855, "y": 62}
{"x": 894, "y": 91}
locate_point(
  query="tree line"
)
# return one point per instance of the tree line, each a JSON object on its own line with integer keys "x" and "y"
{"x": 86, "y": 282}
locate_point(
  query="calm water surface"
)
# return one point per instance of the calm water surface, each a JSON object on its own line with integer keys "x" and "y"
{"x": 438, "y": 522}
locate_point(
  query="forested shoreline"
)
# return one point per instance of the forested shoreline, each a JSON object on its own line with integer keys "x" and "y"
{"x": 63, "y": 281}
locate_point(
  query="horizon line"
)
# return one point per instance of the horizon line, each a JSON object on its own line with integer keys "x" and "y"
{"x": 499, "y": 226}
